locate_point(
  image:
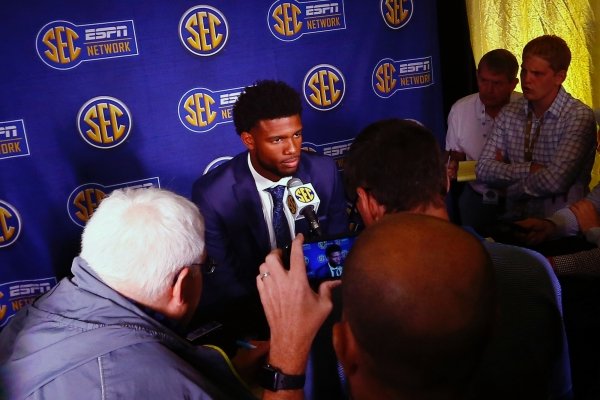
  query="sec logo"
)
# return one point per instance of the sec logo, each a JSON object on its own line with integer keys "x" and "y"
{"x": 10, "y": 224}
{"x": 292, "y": 204}
{"x": 104, "y": 122}
{"x": 86, "y": 198}
{"x": 396, "y": 13}
{"x": 324, "y": 87}
{"x": 304, "y": 194}
{"x": 57, "y": 45}
{"x": 203, "y": 30}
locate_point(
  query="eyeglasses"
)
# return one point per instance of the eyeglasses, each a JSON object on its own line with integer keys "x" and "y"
{"x": 207, "y": 267}
{"x": 356, "y": 224}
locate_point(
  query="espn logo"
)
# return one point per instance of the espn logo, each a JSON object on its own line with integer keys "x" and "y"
{"x": 13, "y": 140}
{"x": 30, "y": 289}
{"x": 8, "y": 132}
{"x": 412, "y": 67}
{"x": 227, "y": 99}
{"x": 289, "y": 20}
{"x": 337, "y": 150}
{"x": 390, "y": 76}
{"x": 322, "y": 9}
{"x": 108, "y": 32}
{"x": 64, "y": 45}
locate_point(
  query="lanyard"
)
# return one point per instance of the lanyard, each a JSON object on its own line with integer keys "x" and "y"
{"x": 530, "y": 142}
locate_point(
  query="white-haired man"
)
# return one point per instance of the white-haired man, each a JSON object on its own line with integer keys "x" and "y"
{"x": 110, "y": 331}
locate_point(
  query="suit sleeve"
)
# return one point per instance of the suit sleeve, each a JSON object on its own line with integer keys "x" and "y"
{"x": 223, "y": 283}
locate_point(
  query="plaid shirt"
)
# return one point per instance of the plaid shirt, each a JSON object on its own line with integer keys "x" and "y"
{"x": 565, "y": 147}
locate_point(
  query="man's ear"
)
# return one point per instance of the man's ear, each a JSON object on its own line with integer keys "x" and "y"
{"x": 248, "y": 140}
{"x": 183, "y": 295}
{"x": 560, "y": 76}
{"x": 345, "y": 348}
{"x": 368, "y": 206}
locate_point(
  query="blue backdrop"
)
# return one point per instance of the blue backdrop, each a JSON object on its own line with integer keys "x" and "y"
{"x": 102, "y": 95}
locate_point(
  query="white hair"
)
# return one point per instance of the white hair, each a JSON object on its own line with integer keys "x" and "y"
{"x": 139, "y": 239}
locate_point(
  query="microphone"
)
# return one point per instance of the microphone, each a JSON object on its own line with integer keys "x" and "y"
{"x": 303, "y": 201}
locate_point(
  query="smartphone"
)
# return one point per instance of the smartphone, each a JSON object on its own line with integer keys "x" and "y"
{"x": 201, "y": 333}
{"x": 325, "y": 258}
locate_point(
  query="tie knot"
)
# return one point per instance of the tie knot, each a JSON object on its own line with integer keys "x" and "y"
{"x": 277, "y": 192}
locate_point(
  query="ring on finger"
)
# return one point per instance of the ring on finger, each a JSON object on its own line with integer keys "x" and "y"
{"x": 264, "y": 275}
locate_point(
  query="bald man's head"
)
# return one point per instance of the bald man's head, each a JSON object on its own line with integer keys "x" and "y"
{"x": 418, "y": 297}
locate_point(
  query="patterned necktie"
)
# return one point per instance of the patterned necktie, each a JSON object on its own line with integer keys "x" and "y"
{"x": 280, "y": 224}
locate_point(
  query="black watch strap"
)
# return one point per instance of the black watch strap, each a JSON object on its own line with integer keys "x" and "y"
{"x": 271, "y": 378}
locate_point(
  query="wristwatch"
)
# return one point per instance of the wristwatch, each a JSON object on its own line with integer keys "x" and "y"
{"x": 271, "y": 378}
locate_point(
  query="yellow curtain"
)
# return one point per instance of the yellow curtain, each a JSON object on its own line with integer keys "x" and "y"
{"x": 510, "y": 24}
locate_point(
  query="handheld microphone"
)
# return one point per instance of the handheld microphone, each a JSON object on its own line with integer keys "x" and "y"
{"x": 303, "y": 201}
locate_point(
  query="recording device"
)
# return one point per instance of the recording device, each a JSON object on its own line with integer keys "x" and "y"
{"x": 303, "y": 201}
{"x": 198, "y": 335}
{"x": 320, "y": 267}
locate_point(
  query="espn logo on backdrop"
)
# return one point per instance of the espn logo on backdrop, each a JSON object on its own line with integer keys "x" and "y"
{"x": 84, "y": 200}
{"x": 10, "y": 224}
{"x": 390, "y": 76}
{"x": 13, "y": 140}
{"x": 396, "y": 13}
{"x": 104, "y": 122}
{"x": 324, "y": 87}
{"x": 16, "y": 295}
{"x": 201, "y": 109}
{"x": 335, "y": 150}
{"x": 64, "y": 45}
{"x": 203, "y": 30}
{"x": 288, "y": 20}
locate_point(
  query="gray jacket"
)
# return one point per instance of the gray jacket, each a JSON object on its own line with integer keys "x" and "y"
{"x": 84, "y": 340}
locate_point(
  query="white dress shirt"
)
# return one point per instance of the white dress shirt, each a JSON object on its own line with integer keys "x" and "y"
{"x": 263, "y": 183}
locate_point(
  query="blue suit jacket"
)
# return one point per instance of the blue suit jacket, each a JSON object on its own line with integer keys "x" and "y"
{"x": 237, "y": 237}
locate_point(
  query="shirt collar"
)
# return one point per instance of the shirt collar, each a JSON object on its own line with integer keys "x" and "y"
{"x": 480, "y": 107}
{"x": 263, "y": 183}
{"x": 557, "y": 105}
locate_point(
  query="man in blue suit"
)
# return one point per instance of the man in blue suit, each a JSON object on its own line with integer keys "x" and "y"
{"x": 333, "y": 268}
{"x": 238, "y": 208}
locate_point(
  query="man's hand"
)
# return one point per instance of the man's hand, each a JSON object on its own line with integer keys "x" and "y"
{"x": 586, "y": 215}
{"x": 499, "y": 156}
{"x": 535, "y": 230}
{"x": 248, "y": 361}
{"x": 294, "y": 311}
{"x": 454, "y": 157}
{"x": 452, "y": 169}
{"x": 535, "y": 167}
